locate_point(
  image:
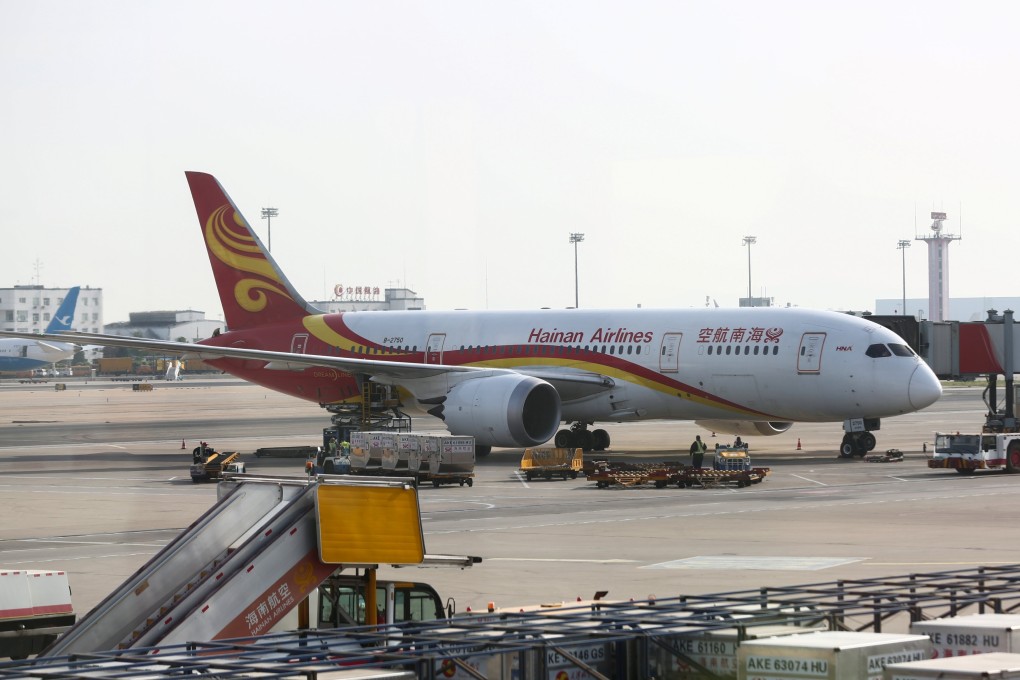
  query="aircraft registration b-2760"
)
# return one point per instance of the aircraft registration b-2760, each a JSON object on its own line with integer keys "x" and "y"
{"x": 510, "y": 378}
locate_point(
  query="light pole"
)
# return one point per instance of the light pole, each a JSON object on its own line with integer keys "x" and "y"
{"x": 268, "y": 214}
{"x": 748, "y": 241}
{"x": 575, "y": 238}
{"x": 902, "y": 245}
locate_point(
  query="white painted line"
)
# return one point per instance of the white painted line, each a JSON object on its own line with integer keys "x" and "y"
{"x": 555, "y": 559}
{"x": 813, "y": 481}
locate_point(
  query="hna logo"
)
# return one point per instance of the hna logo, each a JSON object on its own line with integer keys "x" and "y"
{"x": 845, "y": 348}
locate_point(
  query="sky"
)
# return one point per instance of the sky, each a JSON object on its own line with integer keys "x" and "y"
{"x": 452, "y": 147}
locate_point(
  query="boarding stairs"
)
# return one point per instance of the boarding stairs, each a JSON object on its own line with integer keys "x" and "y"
{"x": 236, "y": 571}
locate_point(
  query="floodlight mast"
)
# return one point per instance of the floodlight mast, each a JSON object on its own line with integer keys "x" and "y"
{"x": 749, "y": 241}
{"x": 268, "y": 214}
{"x": 903, "y": 244}
{"x": 575, "y": 238}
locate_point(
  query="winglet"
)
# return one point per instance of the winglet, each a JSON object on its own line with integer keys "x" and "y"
{"x": 64, "y": 318}
{"x": 253, "y": 290}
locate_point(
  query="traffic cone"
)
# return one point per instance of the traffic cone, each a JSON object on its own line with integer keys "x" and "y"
{"x": 182, "y": 445}
{"x": 798, "y": 443}
{"x": 713, "y": 434}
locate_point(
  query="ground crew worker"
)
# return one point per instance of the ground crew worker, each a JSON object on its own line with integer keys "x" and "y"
{"x": 698, "y": 449}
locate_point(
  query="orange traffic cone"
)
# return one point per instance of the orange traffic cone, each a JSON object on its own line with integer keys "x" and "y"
{"x": 798, "y": 443}
{"x": 182, "y": 445}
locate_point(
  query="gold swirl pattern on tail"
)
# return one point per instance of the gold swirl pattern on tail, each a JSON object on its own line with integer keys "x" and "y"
{"x": 236, "y": 248}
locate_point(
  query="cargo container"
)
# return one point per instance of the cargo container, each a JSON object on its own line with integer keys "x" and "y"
{"x": 361, "y": 452}
{"x": 828, "y": 655}
{"x": 690, "y": 656}
{"x": 397, "y": 459}
{"x": 992, "y": 665}
{"x": 974, "y": 634}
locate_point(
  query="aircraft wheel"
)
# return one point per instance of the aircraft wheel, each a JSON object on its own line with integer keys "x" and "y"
{"x": 600, "y": 440}
{"x": 586, "y": 440}
{"x": 481, "y": 450}
{"x": 1013, "y": 457}
{"x": 867, "y": 442}
{"x": 847, "y": 448}
{"x": 564, "y": 438}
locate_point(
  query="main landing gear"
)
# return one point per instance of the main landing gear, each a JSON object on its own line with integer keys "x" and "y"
{"x": 579, "y": 437}
{"x": 858, "y": 440}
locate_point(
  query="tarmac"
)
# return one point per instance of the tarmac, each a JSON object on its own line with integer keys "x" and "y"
{"x": 94, "y": 481}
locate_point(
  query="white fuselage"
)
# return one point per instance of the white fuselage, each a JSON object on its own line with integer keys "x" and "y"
{"x": 761, "y": 364}
{"x": 26, "y": 355}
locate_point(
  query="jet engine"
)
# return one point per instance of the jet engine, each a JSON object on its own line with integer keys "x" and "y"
{"x": 504, "y": 410}
{"x": 744, "y": 428}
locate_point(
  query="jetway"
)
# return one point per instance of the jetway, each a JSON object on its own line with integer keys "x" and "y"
{"x": 956, "y": 349}
{"x": 250, "y": 559}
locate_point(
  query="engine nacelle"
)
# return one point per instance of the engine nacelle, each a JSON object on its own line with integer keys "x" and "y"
{"x": 745, "y": 428}
{"x": 503, "y": 410}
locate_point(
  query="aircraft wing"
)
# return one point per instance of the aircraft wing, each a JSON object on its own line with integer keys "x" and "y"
{"x": 50, "y": 348}
{"x": 287, "y": 361}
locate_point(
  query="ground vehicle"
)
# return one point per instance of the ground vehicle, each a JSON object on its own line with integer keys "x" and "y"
{"x": 966, "y": 453}
{"x": 548, "y": 463}
{"x": 115, "y": 365}
{"x": 342, "y": 602}
{"x": 208, "y": 464}
{"x": 35, "y": 607}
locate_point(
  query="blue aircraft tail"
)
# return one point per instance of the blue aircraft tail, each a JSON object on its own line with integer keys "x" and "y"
{"x": 64, "y": 318}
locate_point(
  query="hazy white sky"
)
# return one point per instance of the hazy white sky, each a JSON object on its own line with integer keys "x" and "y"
{"x": 454, "y": 146}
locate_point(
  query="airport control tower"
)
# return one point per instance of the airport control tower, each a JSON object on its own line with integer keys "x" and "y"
{"x": 938, "y": 267}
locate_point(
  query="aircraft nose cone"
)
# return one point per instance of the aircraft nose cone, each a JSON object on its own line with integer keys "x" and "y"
{"x": 925, "y": 389}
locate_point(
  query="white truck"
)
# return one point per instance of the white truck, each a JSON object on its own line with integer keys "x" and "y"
{"x": 967, "y": 453}
{"x": 35, "y": 607}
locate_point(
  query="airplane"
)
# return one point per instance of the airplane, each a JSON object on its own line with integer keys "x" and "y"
{"x": 511, "y": 378}
{"x": 32, "y": 351}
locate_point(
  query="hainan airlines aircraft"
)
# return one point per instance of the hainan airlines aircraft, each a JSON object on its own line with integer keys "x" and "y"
{"x": 510, "y": 378}
{"x": 34, "y": 352}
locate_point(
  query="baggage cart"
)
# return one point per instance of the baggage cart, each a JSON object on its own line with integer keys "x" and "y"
{"x": 549, "y": 463}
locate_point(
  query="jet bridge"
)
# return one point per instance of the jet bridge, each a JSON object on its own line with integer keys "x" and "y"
{"x": 250, "y": 559}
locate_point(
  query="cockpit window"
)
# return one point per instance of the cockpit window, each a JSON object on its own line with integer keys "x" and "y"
{"x": 901, "y": 350}
{"x": 876, "y": 351}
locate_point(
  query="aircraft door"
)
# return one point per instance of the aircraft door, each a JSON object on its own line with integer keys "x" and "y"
{"x": 669, "y": 353}
{"x": 809, "y": 358}
{"x": 299, "y": 343}
{"x": 434, "y": 348}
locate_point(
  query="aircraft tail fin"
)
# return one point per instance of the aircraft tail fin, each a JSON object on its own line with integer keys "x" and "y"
{"x": 64, "y": 318}
{"x": 253, "y": 290}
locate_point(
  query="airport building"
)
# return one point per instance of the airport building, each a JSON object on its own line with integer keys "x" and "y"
{"x": 191, "y": 326}
{"x": 959, "y": 309}
{"x": 367, "y": 299}
{"x": 28, "y": 309}
{"x": 187, "y": 325}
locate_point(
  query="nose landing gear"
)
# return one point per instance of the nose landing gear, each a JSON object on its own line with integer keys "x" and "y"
{"x": 858, "y": 440}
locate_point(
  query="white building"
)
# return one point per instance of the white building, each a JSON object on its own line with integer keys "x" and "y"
{"x": 188, "y": 324}
{"x": 29, "y": 309}
{"x": 366, "y": 298}
{"x": 960, "y": 309}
